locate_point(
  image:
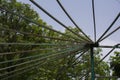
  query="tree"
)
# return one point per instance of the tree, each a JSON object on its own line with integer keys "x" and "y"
{"x": 64, "y": 66}
{"x": 83, "y": 67}
{"x": 14, "y": 29}
{"x": 115, "y": 64}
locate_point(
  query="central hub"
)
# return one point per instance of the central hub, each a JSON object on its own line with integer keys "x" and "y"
{"x": 92, "y": 45}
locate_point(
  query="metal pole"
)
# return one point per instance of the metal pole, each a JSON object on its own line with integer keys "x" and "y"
{"x": 92, "y": 64}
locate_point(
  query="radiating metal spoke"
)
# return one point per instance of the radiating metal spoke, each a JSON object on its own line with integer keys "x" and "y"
{"x": 110, "y": 33}
{"x": 94, "y": 21}
{"x": 109, "y": 27}
{"x": 34, "y": 22}
{"x": 73, "y": 21}
{"x": 50, "y": 15}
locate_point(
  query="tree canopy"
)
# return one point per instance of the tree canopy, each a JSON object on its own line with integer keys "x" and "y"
{"x": 30, "y": 49}
{"x": 115, "y": 64}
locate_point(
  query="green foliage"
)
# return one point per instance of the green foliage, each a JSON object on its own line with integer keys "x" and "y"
{"x": 115, "y": 64}
{"x": 14, "y": 29}
{"x": 101, "y": 69}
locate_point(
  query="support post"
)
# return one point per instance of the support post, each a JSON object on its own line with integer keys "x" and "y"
{"x": 92, "y": 63}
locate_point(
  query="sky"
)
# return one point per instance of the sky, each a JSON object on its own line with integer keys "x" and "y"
{"x": 81, "y": 12}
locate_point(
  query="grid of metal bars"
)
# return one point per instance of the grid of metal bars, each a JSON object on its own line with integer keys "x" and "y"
{"x": 75, "y": 45}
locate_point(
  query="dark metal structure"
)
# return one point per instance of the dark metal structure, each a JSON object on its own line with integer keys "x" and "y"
{"x": 81, "y": 44}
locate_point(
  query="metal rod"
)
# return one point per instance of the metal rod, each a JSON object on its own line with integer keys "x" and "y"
{"x": 26, "y": 68}
{"x": 34, "y": 44}
{"x": 72, "y": 20}
{"x": 38, "y": 59}
{"x": 26, "y": 51}
{"x": 87, "y": 73}
{"x": 34, "y": 50}
{"x": 107, "y": 53}
{"x": 30, "y": 57}
{"x": 94, "y": 21}
{"x": 63, "y": 68}
{"x": 83, "y": 52}
{"x": 104, "y": 46}
{"x": 32, "y": 34}
{"x": 110, "y": 33}
{"x": 81, "y": 39}
{"x": 30, "y": 66}
{"x": 92, "y": 64}
{"x": 23, "y": 70}
{"x": 107, "y": 77}
{"x": 116, "y": 46}
{"x": 109, "y": 27}
{"x": 23, "y": 17}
